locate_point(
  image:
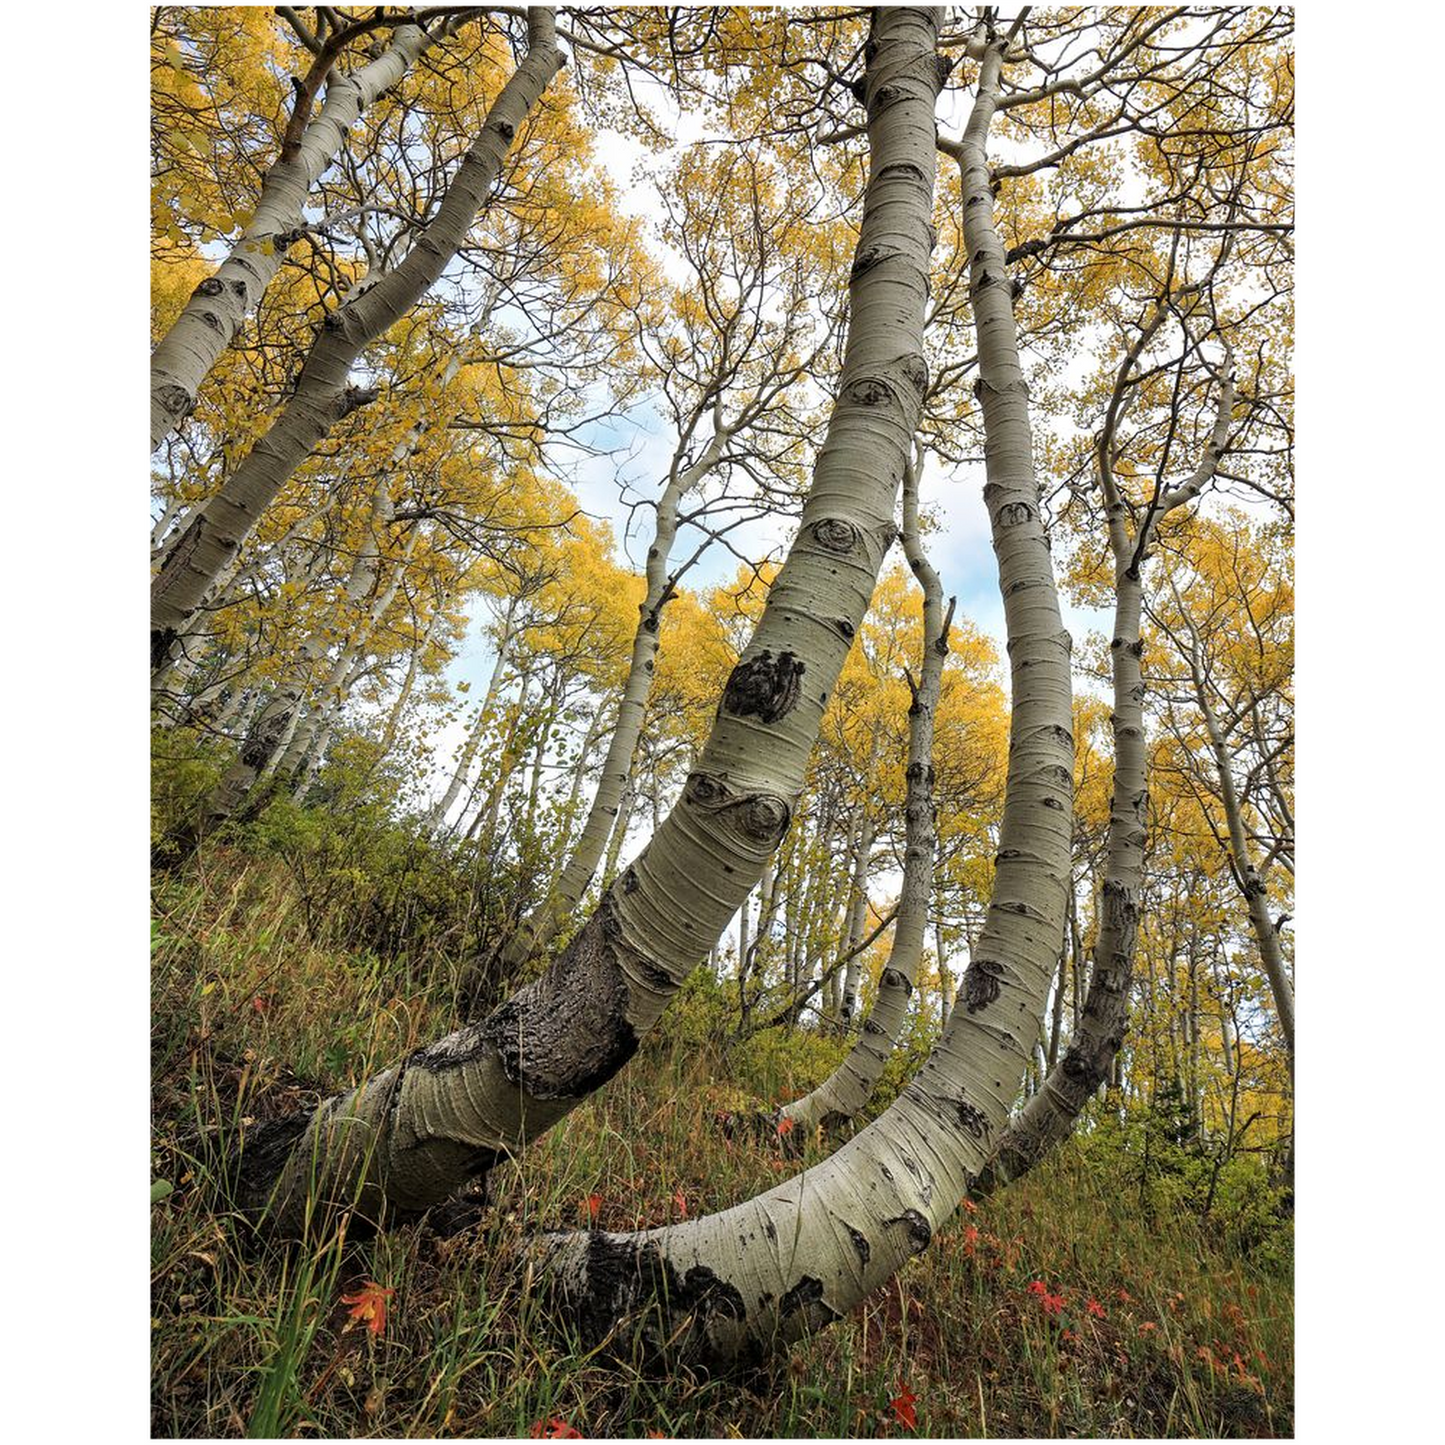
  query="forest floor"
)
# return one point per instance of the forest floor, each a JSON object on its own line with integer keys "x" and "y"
{"x": 1064, "y": 1306}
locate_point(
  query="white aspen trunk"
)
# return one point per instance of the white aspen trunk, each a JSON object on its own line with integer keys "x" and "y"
{"x": 743, "y": 1282}
{"x": 1251, "y": 884}
{"x": 437, "y": 814}
{"x": 403, "y": 696}
{"x": 537, "y": 929}
{"x": 484, "y": 825}
{"x": 184, "y": 356}
{"x": 857, "y": 915}
{"x": 619, "y": 834}
{"x": 743, "y": 933}
{"x": 408, "y": 1137}
{"x": 574, "y": 790}
{"x": 349, "y": 661}
{"x": 849, "y": 1087}
{"x": 1051, "y": 1114}
{"x": 945, "y": 978}
{"x": 322, "y": 396}
{"x": 274, "y": 732}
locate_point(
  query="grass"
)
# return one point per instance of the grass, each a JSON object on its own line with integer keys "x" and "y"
{"x": 990, "y": 1332}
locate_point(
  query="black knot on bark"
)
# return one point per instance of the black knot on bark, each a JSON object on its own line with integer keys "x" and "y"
{"x": 1015, "y": 514}
{"x": 973, "y": 1120}
{"x": 764, "y": 687}
{"x": 917, "y": 1230}
{"x": 175, "y": 399}
{"x": 807, "y": 1296}
{"x": 981, "y": 984}
{"x": 766, "y": 818}
{"x": 211, "y": 286}
{"x": 866, "y": 259}
{"x": 706, "y": 790}
{"x": 837, "y": 535}
{"x": 915, "y": 372}
{"x": 893, "y": 979}
{"x": 505, "y": 129}
{"x": 870, "y": 391}
{"x": 356, "y": 397}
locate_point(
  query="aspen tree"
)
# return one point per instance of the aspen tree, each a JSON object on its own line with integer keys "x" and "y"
{"x": 845, "y": 1091}
{"x": 408, "y": 1137}
{"x": 736, "y": 1285}
{"x": 209, "y": 321}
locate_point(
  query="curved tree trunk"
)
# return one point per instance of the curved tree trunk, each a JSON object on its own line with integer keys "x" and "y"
{"x": 845, "y": 1091}
{"x": 740, "y": 1283}
{"x": 410, "y": 1136}
{"x": 1051, "y": 1114}
{"x": 322, "y": 396}
{"x": 184, "y": 356}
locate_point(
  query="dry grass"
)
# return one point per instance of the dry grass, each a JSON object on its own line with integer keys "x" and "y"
{"x": 1185, "y": 1338}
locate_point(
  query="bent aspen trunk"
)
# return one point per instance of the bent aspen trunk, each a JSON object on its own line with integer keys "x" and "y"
{"x": 410, "y": 1136}
{"x": 741, "y": 1283}
{"x": 1050, "y": 1116}
{"x": 849, "y": 1087}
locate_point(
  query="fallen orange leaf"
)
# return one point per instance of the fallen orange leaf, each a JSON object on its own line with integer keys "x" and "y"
{"x": 369, "y": 1304}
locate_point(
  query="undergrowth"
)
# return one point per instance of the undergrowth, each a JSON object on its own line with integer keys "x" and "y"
{"x": 1060, "y": 1306}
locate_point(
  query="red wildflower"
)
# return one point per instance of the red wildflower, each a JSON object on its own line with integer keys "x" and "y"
{"x": 369, "y": 1304}
{"x": 592, "y": 1204}
{"x": 786, "y": 1126}
{"x": 261, "y": 1003}
{"x": 1038, "y": 1287}
{"x": 1124, "y": 1296}
{"x": 1053, "y": 1304}
{"x": 1147, "y": 1327}
{"x": 969, "y": 1205}
{"x": 555, "y": 1428}
{"x": 680, "y": 1199}
{"x": 1095, "y": 1308}
{"x": 902, "y": 1405}
{"x": 970, "y": 1237}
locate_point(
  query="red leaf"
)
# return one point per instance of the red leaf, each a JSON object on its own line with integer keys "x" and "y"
{"x": 369, "y": 1304}
{"x": 902, "y": 1405}
{"x": 555, "y": 1428}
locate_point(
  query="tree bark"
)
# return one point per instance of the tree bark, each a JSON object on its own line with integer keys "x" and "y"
{"x": 408, "y": 1137}
{"x": 741, "y": 1283}
{"x": 437, "y": 815}
{"x": 1050, "y": 1115}
{"x": 849, "y": 1087}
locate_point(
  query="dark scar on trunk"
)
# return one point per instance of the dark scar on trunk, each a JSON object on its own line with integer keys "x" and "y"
{"x": 919, "y": 1231}
{"x": 764, "y": 687}
{"x": 562, "y": 1036}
